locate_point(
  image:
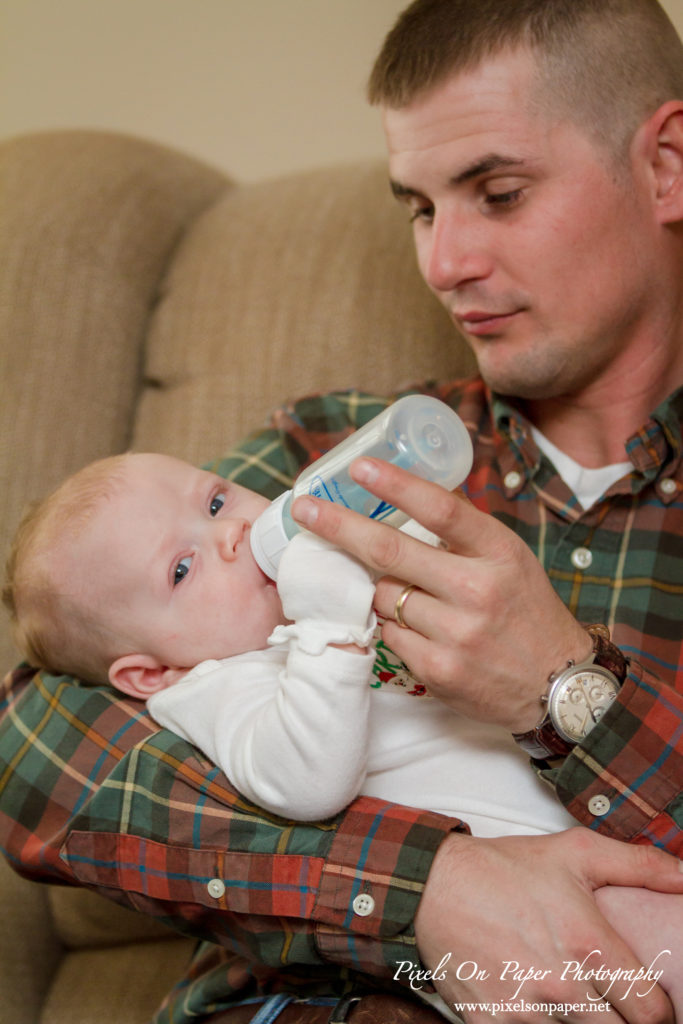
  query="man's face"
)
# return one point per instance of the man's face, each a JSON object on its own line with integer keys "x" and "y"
{"x": 165, "y": 563}
{"x": 540, "y": 251}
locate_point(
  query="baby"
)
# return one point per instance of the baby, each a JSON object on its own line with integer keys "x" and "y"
{"x": 138, "y": 570}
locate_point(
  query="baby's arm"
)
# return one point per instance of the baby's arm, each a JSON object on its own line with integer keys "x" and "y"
{"x": 651, "y": 923}
{"x": 292, "y": 738}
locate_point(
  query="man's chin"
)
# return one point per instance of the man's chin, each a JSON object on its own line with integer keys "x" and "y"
{"x": 521, "y": 389}
{"x": 529, "y": 386}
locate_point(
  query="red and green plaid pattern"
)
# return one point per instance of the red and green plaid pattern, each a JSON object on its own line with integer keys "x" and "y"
{"x": 634, "y": 583}
{"x": 93, "y": 793}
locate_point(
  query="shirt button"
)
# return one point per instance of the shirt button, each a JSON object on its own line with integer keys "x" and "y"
{"x": 668, "y": 486}
{"x": 599, "y": 806}
{"x": 512, "y": 480}
{"x": 581, "y": 558}
{"x": 363, "y": 905}
{"x": 216, "y": 888}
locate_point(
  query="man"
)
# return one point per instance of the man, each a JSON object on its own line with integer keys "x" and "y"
{"x": 547, "y": 206}
{"x": 527, "y": 189}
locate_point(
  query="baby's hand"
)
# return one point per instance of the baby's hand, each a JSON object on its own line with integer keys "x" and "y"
{"x": 327, "y": 589}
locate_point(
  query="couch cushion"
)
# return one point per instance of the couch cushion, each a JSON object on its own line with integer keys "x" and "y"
{"x": 125, "y": 983}
{"x": 300, "y": 284}
{"x": 29, "y": 947}
{"x": 83, "y": 919}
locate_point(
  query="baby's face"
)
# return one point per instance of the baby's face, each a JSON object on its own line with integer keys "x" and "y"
{"x": 167, "y": 562}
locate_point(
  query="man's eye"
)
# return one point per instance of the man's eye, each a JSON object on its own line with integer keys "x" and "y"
{"x": 422, "y": 213}
{"x": 217, "y": 504}
{"x": 503, "y": 199}
{"x": 182, "y": 569}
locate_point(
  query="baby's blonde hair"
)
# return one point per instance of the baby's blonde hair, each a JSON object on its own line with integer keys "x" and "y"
{"x": 52, "y": 628}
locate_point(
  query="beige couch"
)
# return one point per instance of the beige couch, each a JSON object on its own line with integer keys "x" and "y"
{"x": 149, "y": 301}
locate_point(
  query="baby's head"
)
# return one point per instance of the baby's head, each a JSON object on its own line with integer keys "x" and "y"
{"x": 137, "y": 568}
{"x": 53, "y": 625}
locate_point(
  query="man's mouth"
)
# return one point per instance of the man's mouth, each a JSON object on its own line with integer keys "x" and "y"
{"x": 483, "y": 322}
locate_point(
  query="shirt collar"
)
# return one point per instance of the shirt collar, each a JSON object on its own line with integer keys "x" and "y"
{"x": 656, "y": 447}
{"x": 655, "y": 450}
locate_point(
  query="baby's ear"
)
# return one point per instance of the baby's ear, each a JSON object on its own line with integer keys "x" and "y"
{"x": 140, "y": 675}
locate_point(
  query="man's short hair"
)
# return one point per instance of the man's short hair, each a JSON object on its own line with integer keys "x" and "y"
{"x": 606, "y": 64}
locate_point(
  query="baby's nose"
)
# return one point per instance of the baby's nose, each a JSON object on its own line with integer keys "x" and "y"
{"x": 230, "y": 535}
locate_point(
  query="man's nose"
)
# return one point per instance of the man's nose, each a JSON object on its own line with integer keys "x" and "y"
{"x": 229, "y": 535}
{"x": 454, "y": 253}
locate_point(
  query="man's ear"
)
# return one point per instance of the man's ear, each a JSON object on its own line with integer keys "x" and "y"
{"x": 662, "y": 138}
{"x": 140, "y": 675}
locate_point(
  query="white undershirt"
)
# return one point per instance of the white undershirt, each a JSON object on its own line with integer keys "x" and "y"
{"x": 588, "y": 485}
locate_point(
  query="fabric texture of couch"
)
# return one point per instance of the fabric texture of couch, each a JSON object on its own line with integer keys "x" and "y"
{"x": 148, "y": 301}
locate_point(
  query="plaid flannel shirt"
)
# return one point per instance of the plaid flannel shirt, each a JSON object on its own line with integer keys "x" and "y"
{"x": 93, "y": 793}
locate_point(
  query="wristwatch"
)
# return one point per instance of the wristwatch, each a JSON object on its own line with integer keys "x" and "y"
{"x": 577, "y": 697}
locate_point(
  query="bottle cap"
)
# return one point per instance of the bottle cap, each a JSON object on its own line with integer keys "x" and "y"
{"x": 430, "y": 440}
{"x": 268, "y": 538}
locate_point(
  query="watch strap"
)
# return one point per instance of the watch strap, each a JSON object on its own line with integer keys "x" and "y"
{"x": 544, "y": 740}
{"x": 606, "y": 653}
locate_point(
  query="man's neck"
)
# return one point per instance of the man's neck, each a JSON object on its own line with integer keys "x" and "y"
{"x": 592, "y": 437}
{"x": 593, "y": 427}
{"x": 593, "y": 423}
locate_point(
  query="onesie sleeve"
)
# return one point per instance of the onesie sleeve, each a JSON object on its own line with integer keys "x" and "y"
{"x": 291, "y": 734}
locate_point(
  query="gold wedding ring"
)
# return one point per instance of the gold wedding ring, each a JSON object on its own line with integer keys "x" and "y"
{"x": 400, "y": 603}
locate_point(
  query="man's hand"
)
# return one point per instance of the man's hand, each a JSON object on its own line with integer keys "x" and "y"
{"x": 528, "y": 901}
{"x": 485, "y": 627}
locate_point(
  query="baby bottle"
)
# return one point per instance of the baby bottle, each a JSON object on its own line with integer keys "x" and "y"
{"x": 418, "y": 433}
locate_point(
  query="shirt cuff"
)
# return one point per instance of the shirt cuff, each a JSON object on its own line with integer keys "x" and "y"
{"x": 372, "y": 883}
{"x": 625, "y": 778}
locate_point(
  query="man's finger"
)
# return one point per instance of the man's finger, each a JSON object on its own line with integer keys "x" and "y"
{"x": 448, "y": 514}
{"x": 383, "y": 548}
{"x": 642, "y": 866}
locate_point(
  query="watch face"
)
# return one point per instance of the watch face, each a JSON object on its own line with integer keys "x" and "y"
{"x": 579, "y": 699}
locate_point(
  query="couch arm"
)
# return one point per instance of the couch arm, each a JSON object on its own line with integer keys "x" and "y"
{"x": 89, "y": 221}
{"x": 29, "y": 948}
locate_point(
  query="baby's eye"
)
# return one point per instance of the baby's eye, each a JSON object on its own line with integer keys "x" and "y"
{"x": 182, "y": 569}
{"x": 217, "y": 503}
